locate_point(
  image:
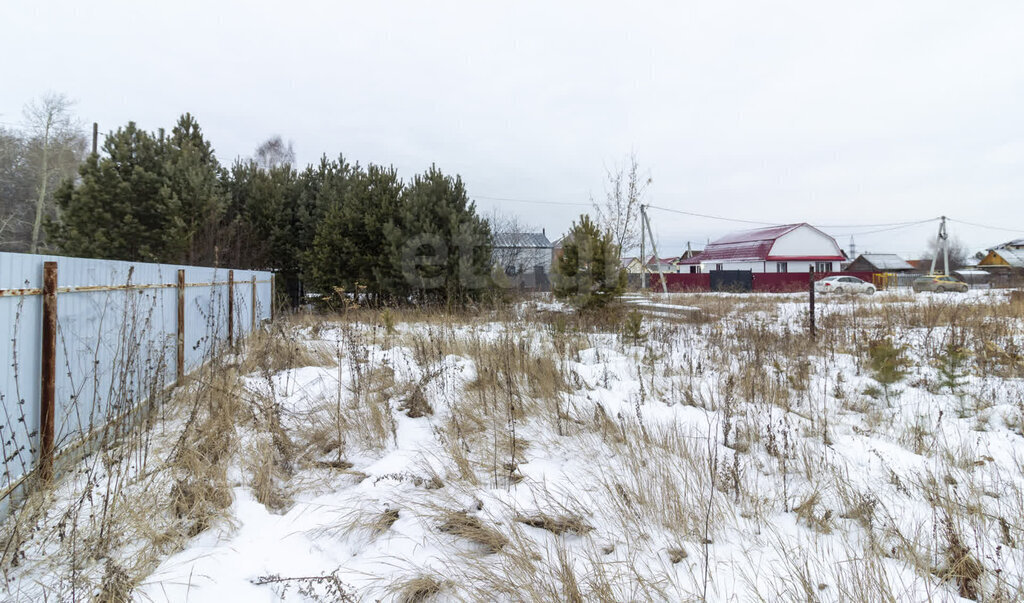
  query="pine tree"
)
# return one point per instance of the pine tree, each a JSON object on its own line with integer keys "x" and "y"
{"x": 123, "y": 207}
{"x": 350, "y": 247}
{"x": 195, "y": 179}
{"x": 438, "y": 243}
{"x": 588, "y": 274}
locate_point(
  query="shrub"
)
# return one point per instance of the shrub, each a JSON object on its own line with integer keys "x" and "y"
{"x": 588, "y": 274}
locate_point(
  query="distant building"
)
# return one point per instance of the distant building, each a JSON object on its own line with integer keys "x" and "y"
{"x": 787, "y": 248}
{"x": 879, "y": 262}
{"x": 525, "y": 257}
{"x": 1003, "y": 258}
{"x": 666, "y": 265}
{"x": 631, "y": 265}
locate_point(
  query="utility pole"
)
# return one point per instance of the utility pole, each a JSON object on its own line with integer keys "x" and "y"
{"x": 943, "y": 242}
{"x": 95, "y": 136}
{"x": 643, "y": 254}
{"x": 654, "y": 247}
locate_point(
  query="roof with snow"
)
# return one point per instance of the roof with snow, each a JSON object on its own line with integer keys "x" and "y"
{"x": 1014, "y": 244}
{"x": 1013, "y": 257}
{"x": 522, "y": 240}
{"x": 751, "y": 245}
{"x": 884, "y": 261}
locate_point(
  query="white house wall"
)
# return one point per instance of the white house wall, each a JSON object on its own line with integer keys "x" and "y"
{"x": 804, "y": 241}
{"x": 759, "y": 266}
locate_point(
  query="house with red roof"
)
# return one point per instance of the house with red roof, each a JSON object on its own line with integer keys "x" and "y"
{"x": 785, "y": 248}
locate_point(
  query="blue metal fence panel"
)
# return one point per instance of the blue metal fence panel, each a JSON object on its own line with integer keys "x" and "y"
{"x": 116, "y": 341}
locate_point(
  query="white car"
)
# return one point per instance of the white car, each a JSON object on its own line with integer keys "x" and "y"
{"x": 843, "y": 284}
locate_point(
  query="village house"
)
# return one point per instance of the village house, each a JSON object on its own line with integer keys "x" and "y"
{"x": 879, "y": 262}
{"x": 1004, "y": 258}
{"x": 631, "y": 265}
{"x": 525, "y": 257}
{"x": 786, "y": 248}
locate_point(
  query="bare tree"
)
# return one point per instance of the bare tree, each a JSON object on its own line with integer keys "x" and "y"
{"x": 15, "y": 187}
{"x": 620, "y": 212}
{"x": 508, "y": 253}
{"x": 55, "y": 147}
{"x": 274, "y": 152}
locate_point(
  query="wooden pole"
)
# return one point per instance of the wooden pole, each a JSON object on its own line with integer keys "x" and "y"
{"x": 47, "y": 392}
{"x": 231, "y": 308}
{"x": 810, "y": 290}
{"x": 95, "y": 136}
{"x": 181, "y": 325}
{"x": 252, "y": 328}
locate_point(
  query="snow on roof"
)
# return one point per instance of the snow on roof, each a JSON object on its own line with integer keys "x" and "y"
{"x": 654, "y": 260}
{"x": 1016, "y": 243}
{"x": 521, "y": 240}
{"x": 886, "y": 261}
{"x": 1013, "y": 257}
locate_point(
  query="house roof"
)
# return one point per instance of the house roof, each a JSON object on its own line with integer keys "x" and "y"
{"x": 1014, "y": 244}
{"x": 749, "y": 245}
{"x": 667, "y": 261}
{"x": 521, "y": 240}
{"x": 885, "y": 261}
{"x": 1013, "y": 257}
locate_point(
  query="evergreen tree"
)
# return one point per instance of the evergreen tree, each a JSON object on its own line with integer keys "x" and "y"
{"x": 588, "y": 274}
{"x": 123, "y": 207}
{"x": 438, "y": 243}
{"x": 350, "y": 247}
{"x": 195, "y": 179}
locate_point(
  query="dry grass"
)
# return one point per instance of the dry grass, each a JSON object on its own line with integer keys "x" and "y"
{"x": 472, "y": 528}
{"x": 646, "y": 460}
{"x": 556, "y": 525}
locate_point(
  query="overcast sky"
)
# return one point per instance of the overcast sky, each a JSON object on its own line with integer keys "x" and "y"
{"x": 851, "y": 113}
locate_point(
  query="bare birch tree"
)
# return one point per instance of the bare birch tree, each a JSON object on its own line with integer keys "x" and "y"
{"x": 274, "y": 152}
{"x": 620, "y": 212}
{"x": 56, "y": 146}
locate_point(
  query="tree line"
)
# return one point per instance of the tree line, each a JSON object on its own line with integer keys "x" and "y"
{"x": 335, "y": 226}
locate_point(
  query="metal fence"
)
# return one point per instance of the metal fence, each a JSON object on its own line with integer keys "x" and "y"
{"x": 85, "y": 342}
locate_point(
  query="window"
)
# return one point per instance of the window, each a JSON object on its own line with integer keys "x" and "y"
{"x": 718, "y": 266}
{"x": 823, "y": 266}
{"x": 694, "y": 269}
{"x": 782, "y": 267}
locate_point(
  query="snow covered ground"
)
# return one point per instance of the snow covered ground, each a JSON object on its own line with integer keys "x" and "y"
{"x": 525, "y": 456}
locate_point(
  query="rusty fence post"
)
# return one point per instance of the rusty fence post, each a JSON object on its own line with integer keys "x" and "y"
{"x": 810, "y": 289}
{"x": 231, "y": 308}
{"x": 48, "y": 372}
{"x": 252, "y": 327}
{"x": 181, "y": 325}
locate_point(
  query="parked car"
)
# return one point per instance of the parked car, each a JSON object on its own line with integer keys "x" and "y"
{"x": 843, "y": 284}
{"x": 938, "y": 283}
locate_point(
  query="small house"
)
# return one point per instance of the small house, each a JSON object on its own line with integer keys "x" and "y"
{"x": 526, "y": 257}
{"x": 786, "y": 248}
{"x": 879, "y": 262}
{"x": 631, "y": 265}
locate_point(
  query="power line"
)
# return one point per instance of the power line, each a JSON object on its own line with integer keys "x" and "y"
{"x": 1016, "y": 230}
{"x": 897, "y": 227}
{"x": 690, "y": 213}
{"x": 537, "y": 201}
{"x": 911, "y": 223}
